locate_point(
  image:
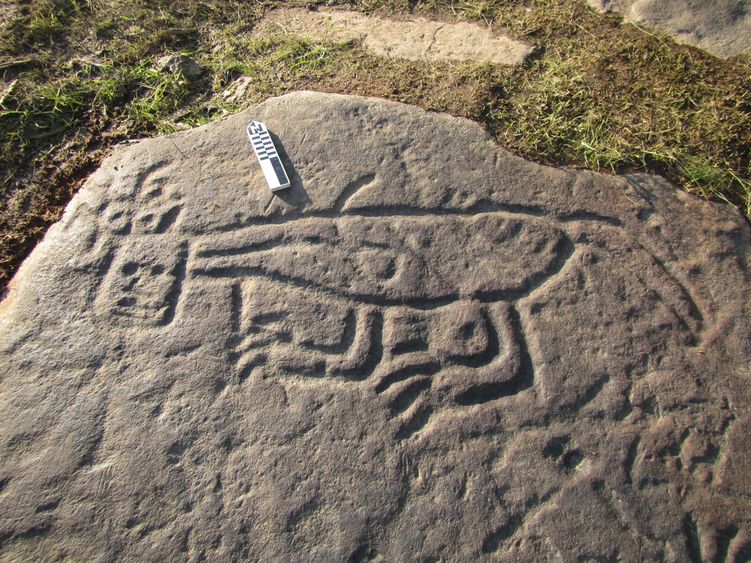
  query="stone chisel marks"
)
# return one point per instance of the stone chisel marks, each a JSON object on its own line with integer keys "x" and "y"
{"x": 268, "y": 158}
{"x": 408, "y": 355}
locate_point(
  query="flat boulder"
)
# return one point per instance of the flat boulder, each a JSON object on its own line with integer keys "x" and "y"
{"x": 720, "y": 27}
{"x": 411, "y": 39}
{"x": 426, "y": 348}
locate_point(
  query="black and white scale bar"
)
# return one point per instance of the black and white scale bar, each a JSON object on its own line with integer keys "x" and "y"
{"x": 267, "y": 156}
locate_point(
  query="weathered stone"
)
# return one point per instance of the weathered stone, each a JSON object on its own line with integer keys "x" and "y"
{"x": 721, "y": 27}
{"x": 425, "y": 349}
{"x": 236, "y": 91}
{"x": 180, "y": 64}
{"x": 414, "y": 39}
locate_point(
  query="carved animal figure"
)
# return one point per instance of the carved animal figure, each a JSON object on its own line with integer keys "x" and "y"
{"x": 419, "y": 301}
{"x": 419, "y": 304}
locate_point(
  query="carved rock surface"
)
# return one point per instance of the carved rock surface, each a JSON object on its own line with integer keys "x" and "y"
{"x": 426, "y": 348}
{"x": 721, "y": 27}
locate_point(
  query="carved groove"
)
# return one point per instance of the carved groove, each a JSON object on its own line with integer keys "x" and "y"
{"x": 563, "y": 250}
{"x": 350, "y": 190}
{"x": 167, "y": 219}
{"x": 405, "y": 372}
{"x": 268, "y": 244}
{"x": 368, "y": 347}
{"x": 523, "y": 379}
{"x": 350, "y": 331}
{"x": 724, "y": 538}
{"x": 173, "y": 297}
{"x": 237, "y": 307}
{"x": 406, "y": 397}
{"x": 302, "y": 283}
{"x": 409, "y": 346}
{"x": 495, "y": 539}
{"x": 692, "y": 539}
{"x": 484, "y": 357}
{"x": 385, "y": 211}
{"x": 628, "y": 464}
{"x": 415, "y": 423}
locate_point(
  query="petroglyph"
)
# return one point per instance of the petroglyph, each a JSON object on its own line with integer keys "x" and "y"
{"x": 404, "y": 356}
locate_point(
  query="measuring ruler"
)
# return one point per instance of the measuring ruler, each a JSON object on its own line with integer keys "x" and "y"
{"x": 268, "y": 158}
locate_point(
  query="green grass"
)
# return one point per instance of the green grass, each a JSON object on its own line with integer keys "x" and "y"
{"x": 614, "y": 113}
{"x": 81, "y": 75}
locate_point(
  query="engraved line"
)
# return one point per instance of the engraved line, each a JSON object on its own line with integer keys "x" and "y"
{"x": 428, "y": 367}
{"x": 237, "y": 307}
{"x": 484, "y": 357}
{"x": 173, "y": 297}
{"x": 415, "y": 423}
{"x": 370, "y": 344}
{"x": 340, "y": 347}
{"x": 351, "y": 189}
{"x": 402, "y": 211}
{"x": 523, "y": 379}
{"x": 386, "y": 212}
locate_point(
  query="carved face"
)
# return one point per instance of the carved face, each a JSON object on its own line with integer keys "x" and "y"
{"x": 143, "y": 281}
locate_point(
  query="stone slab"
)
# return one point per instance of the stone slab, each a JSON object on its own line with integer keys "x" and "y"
{"x": 721, "y": 27}
{"x": 411, "y": 39}
{"x": 425, "y": 349}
